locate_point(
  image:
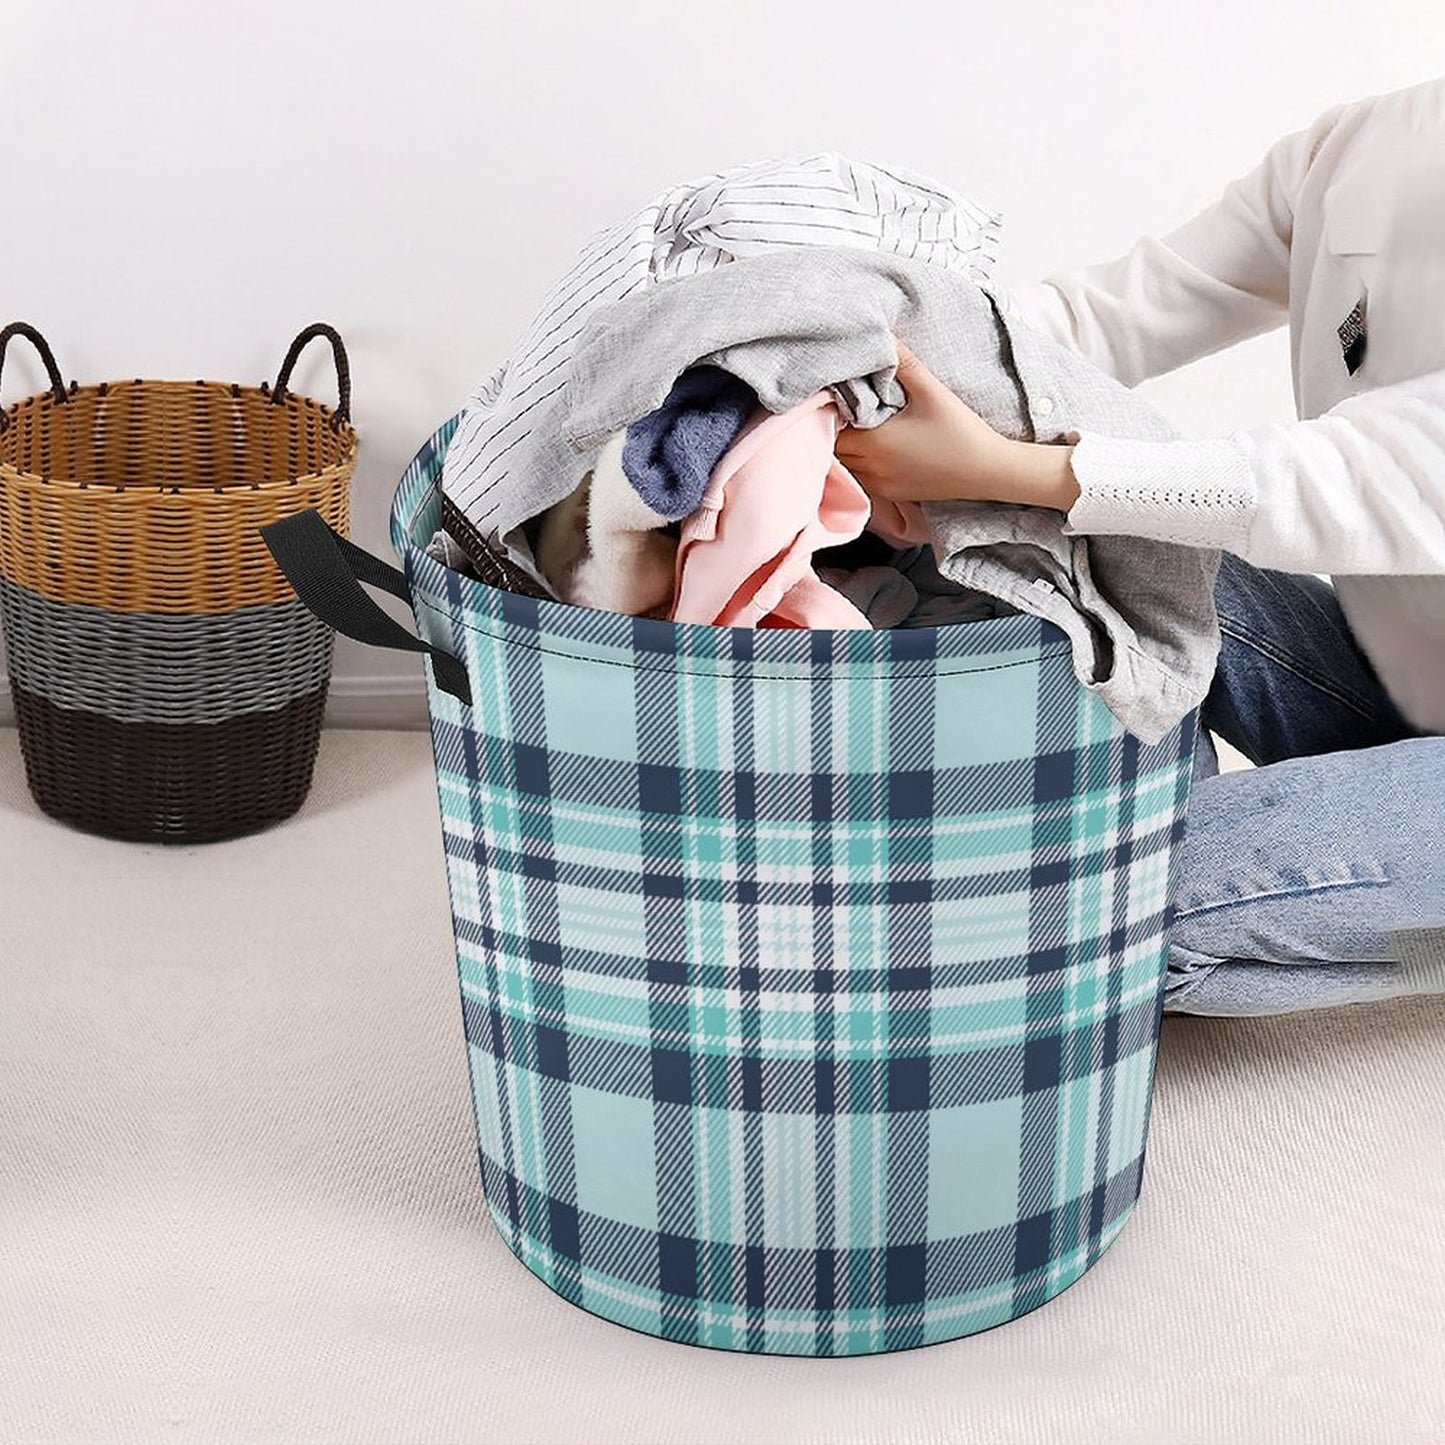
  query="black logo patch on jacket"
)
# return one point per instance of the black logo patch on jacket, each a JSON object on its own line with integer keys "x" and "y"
{"x": 1351, "y": 332}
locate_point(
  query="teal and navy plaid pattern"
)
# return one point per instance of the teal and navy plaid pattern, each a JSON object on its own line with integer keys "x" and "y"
{"x": 811, "y": 979}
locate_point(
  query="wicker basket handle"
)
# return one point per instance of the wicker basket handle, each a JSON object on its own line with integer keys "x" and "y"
{"x": 23, "y": 328}
{"x": 343, "y": 368}
{"x": 327, "y": 572}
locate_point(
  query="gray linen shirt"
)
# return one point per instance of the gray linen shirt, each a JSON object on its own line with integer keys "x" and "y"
{"x": 1139, "y": 614}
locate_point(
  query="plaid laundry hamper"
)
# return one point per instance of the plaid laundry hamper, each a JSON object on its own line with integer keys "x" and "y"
{"x": 811, "y": 980}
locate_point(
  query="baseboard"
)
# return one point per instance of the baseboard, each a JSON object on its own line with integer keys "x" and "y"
{"x": 352, "y": 702}
{"x": 376, "y": 702}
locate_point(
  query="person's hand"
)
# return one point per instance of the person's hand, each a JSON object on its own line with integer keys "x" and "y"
{"x": 937, "y": 448}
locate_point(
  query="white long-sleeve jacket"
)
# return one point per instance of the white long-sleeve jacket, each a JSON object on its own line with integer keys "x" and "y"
{"x": 1349, "y": 210}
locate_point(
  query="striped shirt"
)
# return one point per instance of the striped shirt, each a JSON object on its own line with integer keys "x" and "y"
{"x": 820, "y": 200}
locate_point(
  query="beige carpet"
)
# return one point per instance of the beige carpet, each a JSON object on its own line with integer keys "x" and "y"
{"x": 239, "y": 1198}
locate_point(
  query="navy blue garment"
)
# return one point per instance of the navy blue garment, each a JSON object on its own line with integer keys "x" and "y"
{"x": 670, "y": 453}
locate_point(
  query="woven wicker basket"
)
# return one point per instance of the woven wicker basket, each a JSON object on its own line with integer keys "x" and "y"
{"x": 168, "y": 685}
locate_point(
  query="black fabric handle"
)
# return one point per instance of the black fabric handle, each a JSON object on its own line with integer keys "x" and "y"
{"x": 327, "y": 572}
{"x": 343, "y": 367}
{"x": 25, "y": 329}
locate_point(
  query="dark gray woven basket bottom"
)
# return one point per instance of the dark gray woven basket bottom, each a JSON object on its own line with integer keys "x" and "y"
{"x": 169, "y": 782}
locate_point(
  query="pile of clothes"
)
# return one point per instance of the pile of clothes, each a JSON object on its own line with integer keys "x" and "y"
{"x": 662, "y": 441}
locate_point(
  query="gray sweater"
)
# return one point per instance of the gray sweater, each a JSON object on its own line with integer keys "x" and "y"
{"x": 1139, "y": 614}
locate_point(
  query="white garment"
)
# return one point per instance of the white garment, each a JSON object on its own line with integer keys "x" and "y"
{"x": 628, "y": 564}
{"x": 1351, "y": 207}
{"x": 696, "y": 226}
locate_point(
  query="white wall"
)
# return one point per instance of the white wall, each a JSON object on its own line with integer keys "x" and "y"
{"x": 187, "y": 184}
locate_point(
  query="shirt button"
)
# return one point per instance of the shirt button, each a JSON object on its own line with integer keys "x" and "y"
{"x": 1044, "y": 406}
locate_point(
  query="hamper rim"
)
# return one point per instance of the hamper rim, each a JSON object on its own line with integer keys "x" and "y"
{"x": 445, "y": 591}
{"x": 290, "y": 404}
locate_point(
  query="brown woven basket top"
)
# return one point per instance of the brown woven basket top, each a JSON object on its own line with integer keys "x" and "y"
{"x": 146, "y": 496}
{"x": 163, "y": 435}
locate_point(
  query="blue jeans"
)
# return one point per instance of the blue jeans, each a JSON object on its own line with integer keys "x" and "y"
{"x": 1294, "y": 876}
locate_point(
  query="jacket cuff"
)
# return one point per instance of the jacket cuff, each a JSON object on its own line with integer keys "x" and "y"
{"x": 1196, "y": 493}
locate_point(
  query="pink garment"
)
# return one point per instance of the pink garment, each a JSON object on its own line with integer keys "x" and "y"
{"x": 776, "y": 496}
